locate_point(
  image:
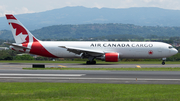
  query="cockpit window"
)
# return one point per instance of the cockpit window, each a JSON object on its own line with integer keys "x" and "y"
{"x": 170, "y": 47}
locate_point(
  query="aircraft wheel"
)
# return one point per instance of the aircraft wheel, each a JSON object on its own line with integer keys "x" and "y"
{"x": 163, "y": 63}
{"x": 90, "y": 62}
{"x": 93, "y": 62}
{"x": 87, "y": 62}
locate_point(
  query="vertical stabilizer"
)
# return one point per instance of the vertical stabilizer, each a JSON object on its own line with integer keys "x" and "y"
{"x": 20, "y": 33}
{"x": 25, "y": 41}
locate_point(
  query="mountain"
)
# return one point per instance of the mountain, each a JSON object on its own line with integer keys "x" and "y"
{"x": 99, "y": 31}
{"x": 143, "y": 16}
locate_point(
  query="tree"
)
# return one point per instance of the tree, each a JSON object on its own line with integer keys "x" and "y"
{"x": 174, "y": 58}
{"x": 5, "y": 55}
{"x": 42, "y": 58}
{"x": 24, "y": 57}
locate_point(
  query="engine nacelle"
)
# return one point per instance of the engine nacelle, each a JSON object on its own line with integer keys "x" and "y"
{"x": 111, "y": 57}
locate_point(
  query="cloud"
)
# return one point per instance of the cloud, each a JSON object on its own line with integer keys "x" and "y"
{"x": 25, "y": 10}
{"x": 98, "y": 5}
{"x": 166, "y": 4}
{"x": 4, "y": 10}
{"x": 31, "y": 6}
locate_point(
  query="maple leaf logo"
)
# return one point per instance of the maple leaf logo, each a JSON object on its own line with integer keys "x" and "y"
{"x": 21, "y": 38}
{"x": 150, "y": 52}
{"x": 20, "y": 34}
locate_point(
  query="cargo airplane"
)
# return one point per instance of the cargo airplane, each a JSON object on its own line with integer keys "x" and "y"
{"x": 107, "y": 51}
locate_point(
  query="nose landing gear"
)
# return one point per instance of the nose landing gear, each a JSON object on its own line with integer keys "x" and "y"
{"x": 163, "y": 62}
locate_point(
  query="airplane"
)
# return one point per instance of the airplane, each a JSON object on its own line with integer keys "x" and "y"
{"x": 103, "y": 50}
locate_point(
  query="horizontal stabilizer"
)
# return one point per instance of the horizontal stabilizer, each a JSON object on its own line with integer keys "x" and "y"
{"x": 16, "y": 45}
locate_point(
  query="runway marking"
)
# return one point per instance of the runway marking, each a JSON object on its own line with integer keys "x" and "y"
{"x": 61, "y": 78}
{"x": 138, "y": 66}
{"x": 62, "y": 66}
{"x": 42, "y": 74}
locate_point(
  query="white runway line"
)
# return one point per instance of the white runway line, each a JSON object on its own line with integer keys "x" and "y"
{"x": 42, "y": 74}
{"x": 66, "y": 78}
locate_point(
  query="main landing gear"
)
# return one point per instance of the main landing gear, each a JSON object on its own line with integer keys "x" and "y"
{"x": 163, "y": 62}
{"x": 91, "y": 60}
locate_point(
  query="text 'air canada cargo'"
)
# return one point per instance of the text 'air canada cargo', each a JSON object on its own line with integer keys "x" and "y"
{"x": 107, "y": 51}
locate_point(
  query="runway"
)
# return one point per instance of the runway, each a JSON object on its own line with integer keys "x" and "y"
{"x": 86, "y": 76}
{"x": 15, "y": 73}
{"x": 14, "y": 66}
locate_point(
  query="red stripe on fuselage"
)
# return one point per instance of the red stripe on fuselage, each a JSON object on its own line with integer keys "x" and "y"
{"x": 38, "y": 49}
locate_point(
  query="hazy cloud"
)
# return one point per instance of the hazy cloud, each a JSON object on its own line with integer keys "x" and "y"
{"x": 6, "y": 10}
{"x": 30, "y": 6}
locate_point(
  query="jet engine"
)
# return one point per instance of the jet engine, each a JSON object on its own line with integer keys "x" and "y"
{"x": 111, "y": 57}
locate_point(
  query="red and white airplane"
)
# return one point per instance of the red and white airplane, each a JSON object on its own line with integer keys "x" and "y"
{"x": 108, "y": 51}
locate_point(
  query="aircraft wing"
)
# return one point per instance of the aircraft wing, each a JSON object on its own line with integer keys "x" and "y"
{"x": 16, "y": 45}
{"x": 81, "y": 50}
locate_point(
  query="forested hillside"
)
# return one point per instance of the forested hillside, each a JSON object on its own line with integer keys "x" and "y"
{"x": 143, "y": 16}
{"x": 102, "y": 31}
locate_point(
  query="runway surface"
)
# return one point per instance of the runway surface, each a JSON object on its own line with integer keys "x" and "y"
{"x": 76, "y": 65}
{"x": 84, "y": 76}
{"x": 14, "y": 73}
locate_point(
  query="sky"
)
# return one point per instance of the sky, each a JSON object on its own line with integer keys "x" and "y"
{"x": 34, "y": 6}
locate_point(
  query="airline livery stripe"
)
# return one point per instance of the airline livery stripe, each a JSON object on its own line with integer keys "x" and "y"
{"x": 10, "y": 16}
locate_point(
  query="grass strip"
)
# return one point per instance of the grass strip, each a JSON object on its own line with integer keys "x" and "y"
{"x": 88, "y": 92}
{"x": 115, "y": 69}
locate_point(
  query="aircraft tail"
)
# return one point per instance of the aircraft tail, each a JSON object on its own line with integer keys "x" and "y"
{"x": 25, "y": 41}
{"x": 20, "y": 33}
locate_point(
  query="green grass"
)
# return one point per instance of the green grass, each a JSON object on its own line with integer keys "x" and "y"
{"x": 116, "y": 69}
{"x": 98, "y": 62}
{"x": 88, "y": 92}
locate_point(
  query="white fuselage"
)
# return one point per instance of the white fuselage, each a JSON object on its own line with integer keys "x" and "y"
{"x": 125, "y": 49}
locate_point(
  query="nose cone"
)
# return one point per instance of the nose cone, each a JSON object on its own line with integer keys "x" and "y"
{"x": 174, "y": 51}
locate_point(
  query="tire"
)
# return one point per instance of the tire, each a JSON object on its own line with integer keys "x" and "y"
{"x": 90, "y": 62}
{"x": 87, "y": 62}
{"x": 163, "y": 63}
{"x": 93, "y": 62}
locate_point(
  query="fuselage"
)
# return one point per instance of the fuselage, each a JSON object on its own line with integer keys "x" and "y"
{"x": 140, "y": 50}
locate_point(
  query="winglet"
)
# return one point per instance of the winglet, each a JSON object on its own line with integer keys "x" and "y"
{"x": 16, "y": 45}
